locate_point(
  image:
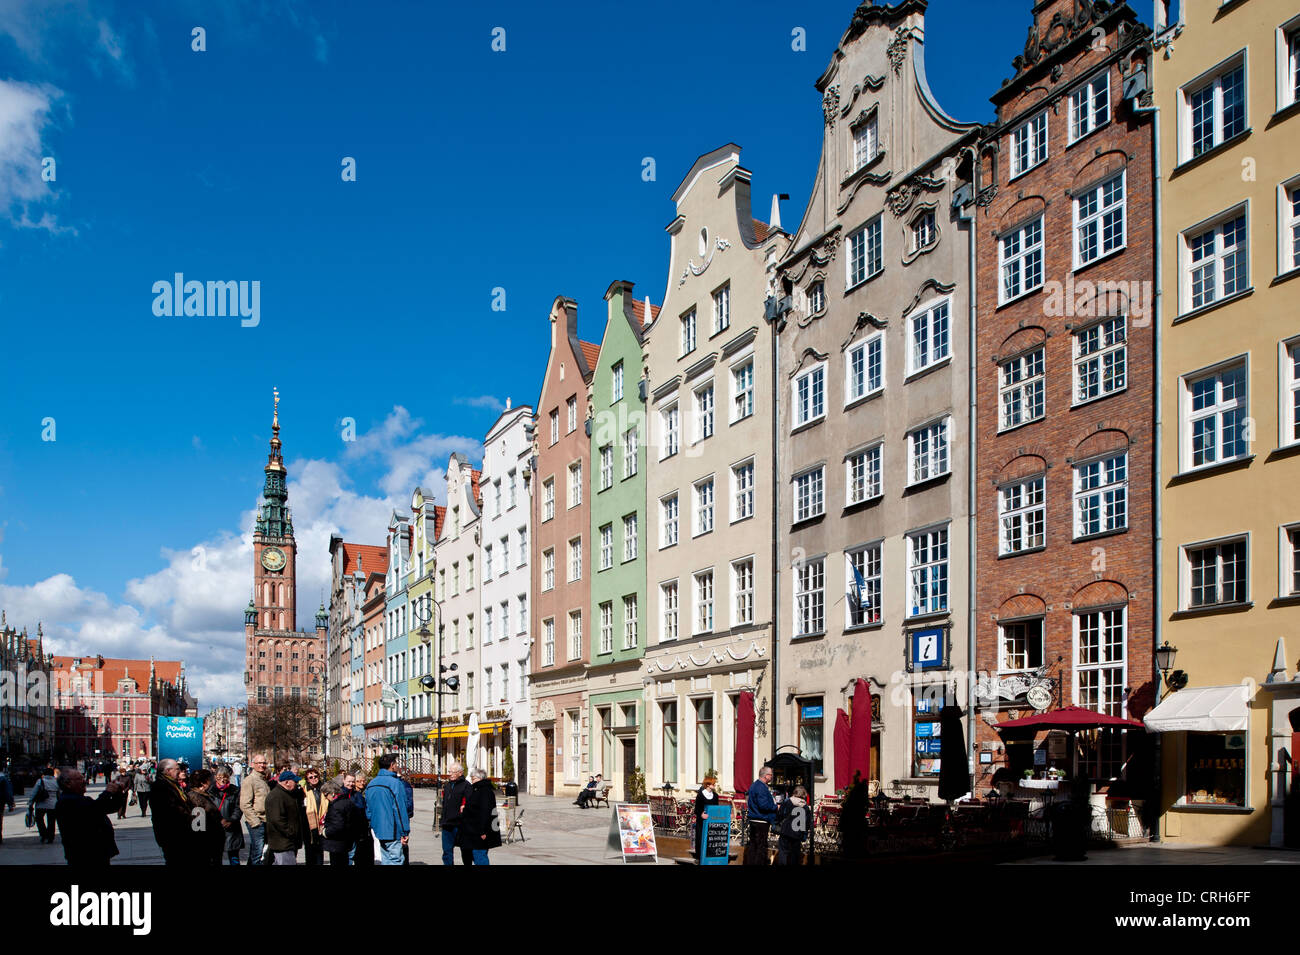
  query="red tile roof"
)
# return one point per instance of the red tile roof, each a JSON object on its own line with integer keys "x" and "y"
{"x": 591, "y": 353}
{"x": 638, "y": 311}
{"x": 761, "y": 230}
{"x": 474, "y": 476}
{"x": 373, "y": 557}
{"x": 439, "y": 519}
{"x": 168, "y": 671}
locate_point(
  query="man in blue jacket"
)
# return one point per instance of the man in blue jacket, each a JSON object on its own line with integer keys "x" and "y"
{"x": 386, "y": 811}
{"x": 762, "y": 812}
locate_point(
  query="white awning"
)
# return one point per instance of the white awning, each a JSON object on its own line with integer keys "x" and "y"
{"x": 1205, "y": 709}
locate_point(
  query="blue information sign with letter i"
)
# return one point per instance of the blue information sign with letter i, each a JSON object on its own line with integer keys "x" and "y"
{"x": 928, "y": 648}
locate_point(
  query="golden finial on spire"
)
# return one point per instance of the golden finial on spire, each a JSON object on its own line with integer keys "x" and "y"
{"x": 275, "y": 418}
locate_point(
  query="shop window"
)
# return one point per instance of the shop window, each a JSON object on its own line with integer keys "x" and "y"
{"x": 925, "y": 732}
{"x": 810, "y": 731}
{"x": 1216, "y": 769}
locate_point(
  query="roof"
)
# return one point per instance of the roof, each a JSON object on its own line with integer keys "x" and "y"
{"x": 638, "y": 312}
{"x": 439, "y": 519}
{"x": 590, "y": 353}
{"x": 475, "y": 476}
{"x": 372, "y": 557}
{"x": 761, "y": 229}
{"x": 168, "y": 671}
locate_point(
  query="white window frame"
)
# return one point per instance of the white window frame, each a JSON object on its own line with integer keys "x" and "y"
{"x": 1288, "y": 392}
{"x": 816, "y": 378}
{"x": 1106, "y": 624}
{"x": 873, "y": 576}
{"x": 1101, "y": 486}
{"x": 687, "y": 341}
{"x": 575, "y": 634}
{"x": 809, "y": 579}
{"x": 1022, "y": 383}
{"x": 1034, "y": 140}
{"x": 742, "y": 589}
{"x": 575, "y": 484}
{"x": 809, "y": 494}
{"x": 631, "y": 451}
{"x": 869, "y": 484}
{"x": 555, "y": 426}
{"x": 548, "y": 642}
{"x": 722, "y": 308}
{"x": 631, "y": 637}
{"x": 928, "y": 575}
{"x": 1288, "y": 561}
{"x": 705, "y": 408}
{"x": 816, "y": 297}
{"x": 548, "y": 499}
{"x": 1185, "y": 572}
{"x": 606, "y": 546}
{"x": 575, "y": 558}
{"x": 631, "y": 535}
{"x": 702, "y": 620}
{"x": 925, "y": 230}
{"x": 742, "y": 490}
{"x": 704, "y": 503}
{"x": 1288, "y": 225}
{"x": 742, "y": 393}
{"x": 866, "y": 142}
{"x": 1086, "y": 101}
{"x": 872, "y": 352}
{"x": 934, "y": 460}
{"x": 929, "y": 335}
{"x": 670, "y": 430}
{"x": 1003, "y": 625}
{"x": 1014, "y": 263}
{"x": 607, "y": 627}
{"x": 1104, "y": 216}
{"x": 669, "y": 610}
{"x": 864, "y": 247}
{"x": 1288, "y": 63}
{"x": 669, "y": 519}
{"x": 606, "y": 467}
{"x": 1105, "y": 362}
{"x": 1022, "y": 515}
{"x": 1213, "y": 81}
{"x": 1187, "y": 417}
{"x": 572, "y": 408}
{"x": 616, "y": 381}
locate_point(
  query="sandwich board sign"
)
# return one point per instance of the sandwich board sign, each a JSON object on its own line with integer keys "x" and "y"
{"x": 716, "y": 836}
{"x": 632, "y": 833}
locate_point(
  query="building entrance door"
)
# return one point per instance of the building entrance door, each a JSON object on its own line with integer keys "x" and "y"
{"x": 521, "y": 762}
{"x": 548, "y": 743}
{"x": 629, "y": 766}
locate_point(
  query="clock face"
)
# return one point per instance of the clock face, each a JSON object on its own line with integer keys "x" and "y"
{"x": 273, "y": 558}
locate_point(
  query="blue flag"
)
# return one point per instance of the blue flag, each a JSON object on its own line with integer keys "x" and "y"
{"x": 859, "y": 588}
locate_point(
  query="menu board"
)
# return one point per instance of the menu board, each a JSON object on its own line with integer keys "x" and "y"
{"x": 717, "y": 836}
{"x": 632, "y": 832}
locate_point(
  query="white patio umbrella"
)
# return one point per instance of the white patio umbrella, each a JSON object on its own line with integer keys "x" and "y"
{"x": 471, "y": 744}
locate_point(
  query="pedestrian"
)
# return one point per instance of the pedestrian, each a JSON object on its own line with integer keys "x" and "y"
{"x": 227, "y": 795}
{"x": 706, "y": 797}
{"x": 142, "y": 785}
{"x": 762, "y": 811}
{"x": 124, "y": 777}
{"x": 795, "y": 824}
{"x": 44, "y": 800}
{"x": 171, "y": 814}
{"x": 410, "y": 812}
{"x": 84, "y": 826}
{"x": 252, "y": 805}
{"x": 363, "y": 852}
{"x": 283, "y": 822}
{"x": 313, "y": 816}
{"x": 454, "y": 793}
{"x": 480, "y": 829}
{"x": 183, "y": 777}
{"x": 6, "y": 799}
{"x": 208, "y": 838}
{"x": 343, "y": 821}
{"x": 386, "y": 810}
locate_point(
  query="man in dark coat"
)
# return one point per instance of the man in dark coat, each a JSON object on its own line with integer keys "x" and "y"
{"x": 454, "y": 793}
{"x": 479, "y": 828}
{"x": 284, "y": 820}
{"x": 171, "y": 814}
{"x": 227, "y": 795}
{"x": 83, "y": 822}
{"x": 343, "y": 822}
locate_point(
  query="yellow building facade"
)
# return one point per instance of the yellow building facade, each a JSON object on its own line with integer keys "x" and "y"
{"x": 1226, "y": 83}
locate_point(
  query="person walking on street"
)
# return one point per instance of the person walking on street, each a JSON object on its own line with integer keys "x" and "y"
{"x": 313, "y": 816}
{"x": 343, "y": 821}
{"x": 762, "y": 811}
{"x": 226, "y": 794}
{"x": 480, "y": 829}
{"x": 44, "y": 800}
{"x": 796, "y": 823}
{"x": 386, "y": 810}
{"x": 142, "y": 785}
{"x": 84, "y": 826}
{"x": 6, "y": 799}
{"x": 454, "y": 793}
{"x": 252, "y": 805}
{"x": 706, "y": 797}
{"x": 208, "y": 842}
{"x": 124, "y": 777}
{"x": 363, "y": 853}
{"x": 283, "y": 820}
{"x": 171, "y": 814}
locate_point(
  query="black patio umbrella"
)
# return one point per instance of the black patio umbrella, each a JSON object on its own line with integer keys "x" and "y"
{"x": 954, "y": 771}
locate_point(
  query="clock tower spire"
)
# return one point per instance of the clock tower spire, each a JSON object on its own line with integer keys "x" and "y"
{"x": 275, "y": 552}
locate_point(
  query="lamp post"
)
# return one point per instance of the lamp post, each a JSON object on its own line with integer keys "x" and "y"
{"x": 1176, "y": 680}
{"x": 431, "y": 685}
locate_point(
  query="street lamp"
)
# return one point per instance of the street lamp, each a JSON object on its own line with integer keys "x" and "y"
{"x": 430, "y": 685}
{"x": 1165, "y": 655}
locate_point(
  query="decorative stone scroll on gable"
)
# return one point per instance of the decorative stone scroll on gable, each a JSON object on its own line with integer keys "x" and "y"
{"x": 720, "y": 655}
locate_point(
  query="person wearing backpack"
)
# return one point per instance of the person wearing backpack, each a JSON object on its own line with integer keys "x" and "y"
{"x": 44, "y": 800}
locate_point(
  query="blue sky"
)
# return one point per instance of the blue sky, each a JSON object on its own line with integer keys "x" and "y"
{"x": 475, "y": 170}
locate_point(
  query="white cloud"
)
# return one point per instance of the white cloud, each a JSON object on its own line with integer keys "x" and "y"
{"x": 483, "y": 401}
{"x": 24, "y": 117}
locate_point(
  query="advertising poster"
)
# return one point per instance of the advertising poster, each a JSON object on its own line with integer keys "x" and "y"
{"x": 717, "y": 836}
{"x": 181, "y": 738}
{"x": 632, "y": 832}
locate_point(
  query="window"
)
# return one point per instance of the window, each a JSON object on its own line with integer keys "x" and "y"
{"x": 574, "y": 720}
{"x": 1290, "y": 64}
{"x": 469, "y": 573}
{"x": 575, "y": 484}
{"x": 865, "y": 368}
{"x": 1099, "y": 676}
{"x": 1290, "y": 393}
{"x": 742, "y": 388}
{"x": 631, "y": 448}
{"x": 575, "y": 559}
{"x": 523, "y": 548}
{"x": 548, "y": 569}
{"x": 742, "y": 490}
{"x": 927, "y": 564}
{"x": 496, "y": 493}
{"x": 866, "y": 143}
{"x": 1101, "y": 495}
{"x": 523, "y": 614}
{"x": 606, "y": 467}
{"x": 1028, "y": 144}
{"x": 1090, "y": 106}
{"x": 863, "y": 577}
{"x": 810, "y": 731}
{"x": 487, "y": 686}
{"x": 548, "y": 499}
{"x": 1099, "y": 221}
{"x": 548, "y": 642}
{"x": 668, "y": 422}
{"x": 703, "y": 737}
{"x": 742, "y": 585}
{"x": 513, "y": 488}
{"x": 630, "y": 537}
{"x": 669, "y": 714}
{"x": 1217, "y": 262}
{"x": 630, "y": 636}
{"x": 455, "y": 584}
{"x": 810, "y": 396}
{"x": 668, "y": 521}
{"x": 923, "y": 231}
{"x": 1022, "y": 516}
{"x": 607, "y": 547}
{"x": 1020, "y": 260}
{"x": 1020, "y": 645}
{"x": 704, "y": 412}
{"x": 864, "y": 259}
{"x": 487, "y": 562}
{"x": 809, "y": 495}
{"x": 607, "y": 627}
{"x": 809, "y": 597}
{"x": 1216, "y": 769}
{"x": 929, "y": 340}
{"x": 1100, "y": 359}
{"x": 816, "y": 297}
{"x": 617, "y": 381}
{"x": 704, "y": 507}
{"x": 555, "y": 426}
{"x": 1215, "y": 573}
{"x": 722, "y": 309}
{"x": 573, "y": 415}
{"x": 688, "y": 332}
{"x": 668, "y": 604}
{"x": 575, "y": 635}
{"x": 1214, "y": 112}
{"x": 487, "y": 625}
{"x": 928, "y": 451}
{"x": 1020, "y": 390}
{"x": 505, "y": 554}
{"x": 863, "y": 475}
{"x": 1214, "y": 417}
{"x": 1289, "y": 228}
{"x": 704, "y": 602}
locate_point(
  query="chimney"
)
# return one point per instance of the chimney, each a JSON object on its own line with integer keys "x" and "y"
{"x": 507, "y": 403}
{"x": 775, "y": 218}
{"x": 646, "y": 320}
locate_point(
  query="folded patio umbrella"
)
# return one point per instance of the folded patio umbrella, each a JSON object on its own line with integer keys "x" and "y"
{"x": 954, "y": 770}
{"x": 743, "y": 763}
{"x": 860, "y": 733}
{"x": 841, "y": 742}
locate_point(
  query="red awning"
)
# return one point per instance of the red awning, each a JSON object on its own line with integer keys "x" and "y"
{"x": 841, "y": 741}
{"x": 860, "y": 733}
{"x": 1069, "y": 718}
{"x": 743, "y": 764}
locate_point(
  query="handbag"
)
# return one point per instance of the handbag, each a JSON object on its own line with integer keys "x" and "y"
{"x": 131, "y": 801}
{"x": 30, "y": 820}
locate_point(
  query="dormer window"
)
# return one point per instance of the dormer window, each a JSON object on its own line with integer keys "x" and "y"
{"x": 866, "y": 143}
{"x": 923, "y": 231}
